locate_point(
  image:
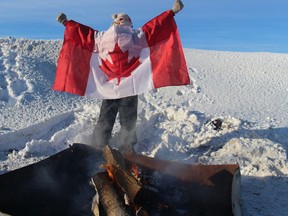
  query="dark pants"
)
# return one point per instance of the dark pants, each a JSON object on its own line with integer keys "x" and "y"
{"x": 127, "y": 108}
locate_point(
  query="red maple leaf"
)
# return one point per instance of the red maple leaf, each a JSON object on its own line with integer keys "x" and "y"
{"x": 120, "y": 67}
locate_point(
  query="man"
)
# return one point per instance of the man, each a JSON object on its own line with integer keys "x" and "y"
{"x": 126, "y": 106}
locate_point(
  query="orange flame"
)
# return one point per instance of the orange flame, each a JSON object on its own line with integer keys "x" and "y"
{"x": 135, "y": 170}
{"x": 109, "y": 168}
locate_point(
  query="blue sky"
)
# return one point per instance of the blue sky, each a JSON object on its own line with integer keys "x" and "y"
{"x": 229, "y": 25}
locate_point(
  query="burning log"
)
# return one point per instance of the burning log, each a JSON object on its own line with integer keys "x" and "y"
{"x": 112, "y": 156}
{"x": 112, "y": 203}
{"x": 138, "y": 197}
{"x": 118, "y": 171}
{"x": 128, "y": 184}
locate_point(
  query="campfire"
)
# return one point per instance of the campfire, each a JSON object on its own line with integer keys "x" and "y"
{"x": 122, "y": 185}
{"x": 135, "y": 185}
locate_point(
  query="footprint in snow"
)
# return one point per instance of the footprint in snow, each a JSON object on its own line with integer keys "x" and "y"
{"x": 12, "y": 85}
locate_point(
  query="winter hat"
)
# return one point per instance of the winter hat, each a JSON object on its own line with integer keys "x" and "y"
{"x": 121, "y": 19}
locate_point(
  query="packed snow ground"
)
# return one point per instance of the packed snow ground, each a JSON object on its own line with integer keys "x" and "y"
{"x": 248, "y": 91}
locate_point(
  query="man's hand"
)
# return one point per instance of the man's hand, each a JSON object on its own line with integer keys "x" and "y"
{"x": 177, "y": 6}
{"x": 61, "y": 18}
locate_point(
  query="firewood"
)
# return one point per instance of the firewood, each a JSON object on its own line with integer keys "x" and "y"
{"x": 95, "y": 205}
{"x": 140, "y": 199}
{"x": 113, "y": 204}
{"x": 112, "y": 156}
{"x": 116, "y": 167}
{"x": 128, "y": 184}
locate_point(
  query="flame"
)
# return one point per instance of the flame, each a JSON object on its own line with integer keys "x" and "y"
{"x": 109, "y": 168}
{"x": 135, "y": 171}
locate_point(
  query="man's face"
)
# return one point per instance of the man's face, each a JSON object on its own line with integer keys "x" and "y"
{"x": 122, "y": 20}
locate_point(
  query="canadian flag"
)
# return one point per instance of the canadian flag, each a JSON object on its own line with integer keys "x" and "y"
{"x": 121, "y": 61}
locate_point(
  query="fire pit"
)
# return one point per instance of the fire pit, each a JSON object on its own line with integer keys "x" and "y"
{"x": 125, "y": 185}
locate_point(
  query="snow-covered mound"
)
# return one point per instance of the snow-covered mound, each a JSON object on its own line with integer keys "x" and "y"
{"x": 247, "y": 92}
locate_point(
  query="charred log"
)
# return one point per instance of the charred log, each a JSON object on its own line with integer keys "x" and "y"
{"x": 124, "y": 180}
{"x": 112, "y": 202}
{"x": 141, "y": 199}
{"x": 112, "y": 156}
